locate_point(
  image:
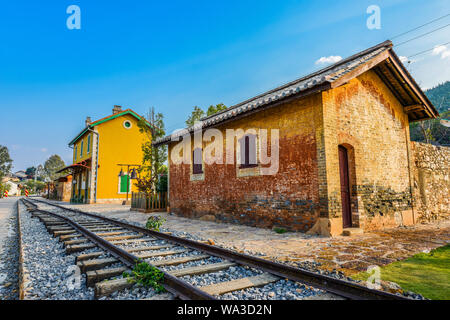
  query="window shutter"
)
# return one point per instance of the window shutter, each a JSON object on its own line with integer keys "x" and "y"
{"x": 197, "y": 161}
{"x": 123, "y": 183}
{"x": 248, "y": 151}
{"x": 242, "y": 151}
{"x": 251, "y": 150}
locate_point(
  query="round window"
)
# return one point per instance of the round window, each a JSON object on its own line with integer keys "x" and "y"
{"x": 127, "y": 124}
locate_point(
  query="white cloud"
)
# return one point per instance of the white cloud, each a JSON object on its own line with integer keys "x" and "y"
{"x": 438, "y": 49}
{"x": 443, "y": 51}
{"x": 44, "y": 150}
{"x": 330, "y": 59}
{"x": 445, "y": 54}
{"x": 403, "y": 59}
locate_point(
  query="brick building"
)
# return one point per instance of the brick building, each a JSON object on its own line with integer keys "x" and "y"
{"x": 344, "y": 152}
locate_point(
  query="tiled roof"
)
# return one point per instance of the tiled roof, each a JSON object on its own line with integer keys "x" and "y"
{"x": 325, "y": 75}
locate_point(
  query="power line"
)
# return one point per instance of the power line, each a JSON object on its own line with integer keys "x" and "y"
{"x": 423, "y": 25}
{"x": 422, "y": 35}
{"x": 421, "y": 52}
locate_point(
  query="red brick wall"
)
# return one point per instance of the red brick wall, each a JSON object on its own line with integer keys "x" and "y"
{"x": 289, "y": 198}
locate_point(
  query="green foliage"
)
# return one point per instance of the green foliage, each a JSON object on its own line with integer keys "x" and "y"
{"x": 35, "y": 186}
{"x": 162, "y": 185}
{"x": 214, "y": 109}
{"x": 279, "y": 230}
{"x": 424, "y": 273}
{"x": 5, "y": 161}
{"x": 31, "y": 171}
{"x": 432, "y": 131}
{"x": 147, "y": 276}
{"x": 3, "y": 187}
{"x": 440, "y": 96}
{"x": 153, "y": 157}
{"x": 197, "y": 114}
{"x": 154, "y": 223}
{"x": 53, "y": 164}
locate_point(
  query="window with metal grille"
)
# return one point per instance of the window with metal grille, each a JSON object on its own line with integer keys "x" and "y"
{"x": 89, "y": 144}
{"x": 248, "y": 151}
{"x": 197, "y": 164}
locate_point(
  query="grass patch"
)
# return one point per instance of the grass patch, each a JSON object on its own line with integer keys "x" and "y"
{"x": 424, "y": 273}
{"x": 280, "y": 230}
{"x": 146, "y": 275}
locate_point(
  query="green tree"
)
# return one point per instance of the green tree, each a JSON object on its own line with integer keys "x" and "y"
{"x": 153, "y": 157}
{"x": 214, "y": 109}
{"x": 431, "y": 131}
{"x": 163, "y": 182}
{"x": 34, "y": 186}
{"x": 195, "y": 116}
{"x": 440, "y": 96}
{"x": 31, "y": 171}
{"x": 52, "y": 165}
{"x": 5, "y": 162}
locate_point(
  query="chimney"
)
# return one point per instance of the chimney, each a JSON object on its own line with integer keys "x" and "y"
{"x": 117, "y": 109}
{"x": 88, "y": 121}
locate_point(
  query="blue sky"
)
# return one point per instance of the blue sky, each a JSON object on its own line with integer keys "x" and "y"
{"x": 176, "y": 55}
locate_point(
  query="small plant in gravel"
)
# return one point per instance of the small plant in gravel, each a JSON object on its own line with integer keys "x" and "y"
{"x": 279, "y": 230}
{"x": 154, "y": 223}
{"x": 146, "y": 275}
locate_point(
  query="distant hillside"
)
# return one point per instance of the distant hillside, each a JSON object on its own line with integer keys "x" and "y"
{"x": 433, "y": 131}
{"x": 440, "y": 96}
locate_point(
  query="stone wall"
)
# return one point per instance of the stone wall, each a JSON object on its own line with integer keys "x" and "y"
{"x": 431, "y": 181}
{"x": 365, "y": 117}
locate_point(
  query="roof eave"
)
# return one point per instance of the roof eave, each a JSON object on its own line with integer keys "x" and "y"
{"x": 111, "y": 117}
{"x": 413, "y": 84}
{"x": 326, "y": 85}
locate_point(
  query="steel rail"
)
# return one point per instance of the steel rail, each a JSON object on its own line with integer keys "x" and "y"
{"x": 339, "y": 287}
{"x": 178, "y": 287}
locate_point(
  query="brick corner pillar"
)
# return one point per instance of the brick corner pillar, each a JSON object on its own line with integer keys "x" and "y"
{"x": 329, "y": 222}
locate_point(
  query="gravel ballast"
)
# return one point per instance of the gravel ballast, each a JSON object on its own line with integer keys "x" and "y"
{"x": 280, "y": 290}
{"x": 51, "y": 272}
{"x": 9, "y": 261}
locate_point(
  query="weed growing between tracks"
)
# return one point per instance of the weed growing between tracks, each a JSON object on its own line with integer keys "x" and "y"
{"x": 147, "y": 276}
{"x": 154, "y": 223}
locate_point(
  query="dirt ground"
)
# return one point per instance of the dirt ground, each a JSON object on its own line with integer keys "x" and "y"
{"x": 347, "y": 254}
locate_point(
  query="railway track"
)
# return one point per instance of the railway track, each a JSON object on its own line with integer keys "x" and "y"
{"x": 104, "y": 242}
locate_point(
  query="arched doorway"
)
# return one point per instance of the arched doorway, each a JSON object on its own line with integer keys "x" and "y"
{"x": 345, "y": 187}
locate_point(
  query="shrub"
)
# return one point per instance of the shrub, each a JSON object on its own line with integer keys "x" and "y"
{"x": 154, "y": 223}
{"x": 146, "y": 275}
{"x": 279, "y": 230}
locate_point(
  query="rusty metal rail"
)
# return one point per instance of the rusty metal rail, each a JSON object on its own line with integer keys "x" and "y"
{"x": 179, "y": 288}
{"x": 338, "y": 287}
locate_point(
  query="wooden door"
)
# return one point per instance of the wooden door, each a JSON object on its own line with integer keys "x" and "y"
{"x": 345, "y": 187}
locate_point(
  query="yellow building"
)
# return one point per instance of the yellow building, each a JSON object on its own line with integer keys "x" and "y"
{"x": 99, "y": 150}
